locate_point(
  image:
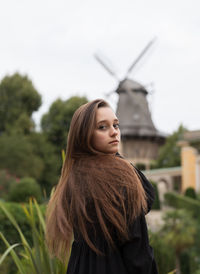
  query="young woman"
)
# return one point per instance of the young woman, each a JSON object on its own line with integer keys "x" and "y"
{"x": 100, "y": 201}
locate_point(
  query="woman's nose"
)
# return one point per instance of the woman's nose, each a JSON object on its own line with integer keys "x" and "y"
{"x": 113, "y": 131}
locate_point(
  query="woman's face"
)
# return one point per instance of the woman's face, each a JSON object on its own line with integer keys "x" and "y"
{"x": 106, "y": 136}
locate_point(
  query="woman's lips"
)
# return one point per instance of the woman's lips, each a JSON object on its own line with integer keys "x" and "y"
{"x": 114, "y": 142}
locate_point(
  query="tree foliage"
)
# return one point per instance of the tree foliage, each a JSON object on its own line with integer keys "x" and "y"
{"x": 52, "y": 162}
{"x": 164, "y": 255}
{"x": 18, "y": 100}
{"x": 23, "y": 190}
{"x": 6, "y": 180}
{"x": 25, "y": 152}
{"x": 169, "y": 153}
{"x": 179, "y": 232}
{"x": 18, "y": 158}
{"x": 30, "y": 156}
{"x": 55, "y": 124}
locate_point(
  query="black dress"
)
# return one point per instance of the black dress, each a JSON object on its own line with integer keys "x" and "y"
{"x": 132, "y": 257}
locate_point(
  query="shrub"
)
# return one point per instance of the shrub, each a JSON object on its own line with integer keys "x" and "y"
{"x": 24, "y": 189}
{"x": 6, "y": 180}
{"x": 164, "y": 255}
{"x": 141, "y": 166}
{"x": 185, "y": 262}
{"x": 190, "y": 192}
{"x": 180, "y": 201}
{"x": 156, "y": 203}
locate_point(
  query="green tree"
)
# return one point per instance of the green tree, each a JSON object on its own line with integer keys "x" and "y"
{"x": 18, "y": 158}
{"x": 179, "y": 232}
{"x": 6, "y": 180}
{"x": 18, "y": 100}
{"x": 169, "y": 153}
{"x": 30, "y": 156}
{"x": 55, "y": 124}
{"x": 52, "y": 162}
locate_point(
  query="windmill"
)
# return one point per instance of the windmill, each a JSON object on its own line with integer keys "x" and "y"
{"x": 140, "y": 138}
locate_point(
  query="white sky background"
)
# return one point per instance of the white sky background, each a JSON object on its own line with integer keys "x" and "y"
{"x": 53, "y": 42}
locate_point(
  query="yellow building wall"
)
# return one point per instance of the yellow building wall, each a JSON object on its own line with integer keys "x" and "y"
{"x": 188, "y": 159}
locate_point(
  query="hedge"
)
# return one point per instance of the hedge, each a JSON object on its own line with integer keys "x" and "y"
{"x": 190, "y": 192}
{"x": 180, "y": 201}
{"x": 156, "y": 203}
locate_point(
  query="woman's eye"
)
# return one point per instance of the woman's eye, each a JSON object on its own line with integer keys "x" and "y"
{"x": 116, "y": 125}
{"x": 102, "y": 127}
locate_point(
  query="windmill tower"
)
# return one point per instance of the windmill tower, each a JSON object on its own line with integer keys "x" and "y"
{"x": 140, "y": 138}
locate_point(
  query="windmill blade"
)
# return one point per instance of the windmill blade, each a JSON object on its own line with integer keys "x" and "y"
{"x": 140, "y": 56}
{"x": 105, "y": 66}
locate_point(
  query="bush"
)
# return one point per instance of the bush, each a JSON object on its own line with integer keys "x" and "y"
{"x": 156, "y": 203}
{"x": 164, "y": 255}
{"x": 190, "y": 192}
{"x": 6, "y": 180}
{"x": 24, "y": 189}
{"x": 140, "y": 166}
{"x": 185, "y": 262}
{"x": 180, "y": 201}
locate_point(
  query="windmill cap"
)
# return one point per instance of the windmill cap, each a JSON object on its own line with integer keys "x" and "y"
{"x": 128, "y": 84}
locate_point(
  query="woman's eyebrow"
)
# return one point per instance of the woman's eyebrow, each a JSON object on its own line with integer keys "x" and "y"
{"x": 103, "y": 121}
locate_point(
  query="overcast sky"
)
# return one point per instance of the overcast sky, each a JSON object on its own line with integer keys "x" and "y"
{"x": 54, "y": 42}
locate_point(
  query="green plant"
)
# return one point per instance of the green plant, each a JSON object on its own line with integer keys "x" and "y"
{"x": 6, "y": 180}
{"x": 156, "y": 203}
{"x": 179, "y": 231}
{"x": 190, "y": 192}
{"x": 164, "y": 255}
{"x": 24, "y": 189}
{"x": 32, "y": 259}
{"x": 140, "y": 166}
{"x": 180, "y": 201}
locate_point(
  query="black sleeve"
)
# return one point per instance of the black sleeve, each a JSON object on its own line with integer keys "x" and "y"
{"x": 136, "y": 253}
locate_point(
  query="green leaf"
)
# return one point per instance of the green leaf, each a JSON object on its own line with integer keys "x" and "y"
{"x": 14, "y": 256}
{"x": 7, "y": 252}
{"x": 39, "y": 213}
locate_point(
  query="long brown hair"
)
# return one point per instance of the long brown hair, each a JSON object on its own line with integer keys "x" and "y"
{"x": 90, "y": 179}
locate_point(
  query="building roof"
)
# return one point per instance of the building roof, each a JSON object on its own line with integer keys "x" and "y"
{"x": 192, "y": 135}
{"x": 128, "y": 84}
